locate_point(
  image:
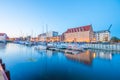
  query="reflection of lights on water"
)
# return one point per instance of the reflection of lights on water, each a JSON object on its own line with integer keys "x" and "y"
{"x": 102, "y": 54}
{"x": 87, "y": 53}
{"x": 94, "y": 55}
{"x": 110, "y": 57}
{"x": 105, "y": 55}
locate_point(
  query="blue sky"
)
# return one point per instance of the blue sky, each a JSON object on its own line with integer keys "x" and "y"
{"x": 28, "y": 17}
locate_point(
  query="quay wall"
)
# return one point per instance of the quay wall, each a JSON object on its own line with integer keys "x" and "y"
{"x": 114, "y": 47}
{"x": 4, "y": 74}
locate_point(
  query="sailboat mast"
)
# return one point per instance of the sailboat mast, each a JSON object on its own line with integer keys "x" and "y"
{"x": 46, "y": 30}
{"x": 43, "y": 29}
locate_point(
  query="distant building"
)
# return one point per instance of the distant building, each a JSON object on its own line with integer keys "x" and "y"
{"x": 52, "y": 34}
{"x": 79, "y": 34}
{"x": 42, "y": 37}
{"x": 53, "y": 39}
{"x": 28, "y": 38}
{"x": 62, "y": 38}
{"x": 102, "y": 36}
{"x": 48, "y": 36}
{"x": 3, "y": 37}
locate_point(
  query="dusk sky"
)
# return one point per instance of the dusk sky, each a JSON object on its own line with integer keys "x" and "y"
{"x": 28, "y": 17}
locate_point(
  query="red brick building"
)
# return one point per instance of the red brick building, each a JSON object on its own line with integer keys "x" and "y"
{"x": 79, "y": 34}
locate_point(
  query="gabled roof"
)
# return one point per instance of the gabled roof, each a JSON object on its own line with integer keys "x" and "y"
{"x": 79, "y": 29}
{"x": 2, "y": 34}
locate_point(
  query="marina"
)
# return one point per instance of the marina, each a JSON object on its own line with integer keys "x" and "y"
{"x": 59, "y": 40}
{"x": 74, "y": 47}
{"x": 56, "y": 65}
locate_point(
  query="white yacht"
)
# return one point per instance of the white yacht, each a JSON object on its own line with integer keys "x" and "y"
{"x": 62, "y": 46}
{"x": 41, "y": 47}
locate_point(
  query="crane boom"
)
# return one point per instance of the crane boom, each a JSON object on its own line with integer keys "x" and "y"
{"x": 109, "y": 27}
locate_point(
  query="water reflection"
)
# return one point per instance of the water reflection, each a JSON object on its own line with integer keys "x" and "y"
{"x": 51, "y": 65}
{"x": 30, "y": 54}
{"x": 85, "y": 57}
{"x": 106, "y": 55}
{"x": 47, "y": 53}
{"x": 2, "y": 45}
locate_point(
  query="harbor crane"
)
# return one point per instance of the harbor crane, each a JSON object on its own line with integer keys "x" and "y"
{"x": 109, "y": 28}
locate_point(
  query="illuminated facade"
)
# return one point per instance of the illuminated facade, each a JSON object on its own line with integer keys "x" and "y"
{"x": 53, "y": 39}
{"x": 102, "y": 36}
{"x": 34, "y": 39}
{"x": 79, "y": 34}
{"x": 52, "y": 34}
{"x": 49, "y": 36}
{"x": 42, "y": 37}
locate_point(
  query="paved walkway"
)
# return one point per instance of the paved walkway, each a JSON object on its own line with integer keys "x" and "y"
{"x": 2, "y": 74}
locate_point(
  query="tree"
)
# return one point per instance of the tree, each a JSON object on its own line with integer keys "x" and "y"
{"x": 115, "y": 39}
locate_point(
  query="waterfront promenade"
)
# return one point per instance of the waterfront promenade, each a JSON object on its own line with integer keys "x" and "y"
{"x": 2, "y": 74}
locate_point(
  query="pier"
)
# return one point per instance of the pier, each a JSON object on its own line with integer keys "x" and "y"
{"x": 67, "y": 47}
{"x": 95, "y": 46}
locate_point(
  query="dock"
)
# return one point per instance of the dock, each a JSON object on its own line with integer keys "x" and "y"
{"x": 65, "y": 50}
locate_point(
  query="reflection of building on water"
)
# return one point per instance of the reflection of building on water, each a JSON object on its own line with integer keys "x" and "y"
{"x": 103, "y": 54}
{"x": 31, "y": 57}
{"x": 2, "y": 45}
{"x": 85, "y": 57}
{"x": 49, "y": 53}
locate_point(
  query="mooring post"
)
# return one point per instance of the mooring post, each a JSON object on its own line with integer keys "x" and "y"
{"x": 7, "y": 74}
{"x": 3, "y": 66}
{"x": 0, "y": 61}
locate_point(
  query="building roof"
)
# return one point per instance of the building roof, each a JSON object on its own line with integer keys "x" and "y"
{"x": 2, "y": 34}
{"x": 79, "y": 29}
{"x": 102, "y": 31}
{"x": 43, "y": 34}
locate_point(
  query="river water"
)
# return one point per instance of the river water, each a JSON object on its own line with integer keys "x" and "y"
{"x": 26, "y": 63}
